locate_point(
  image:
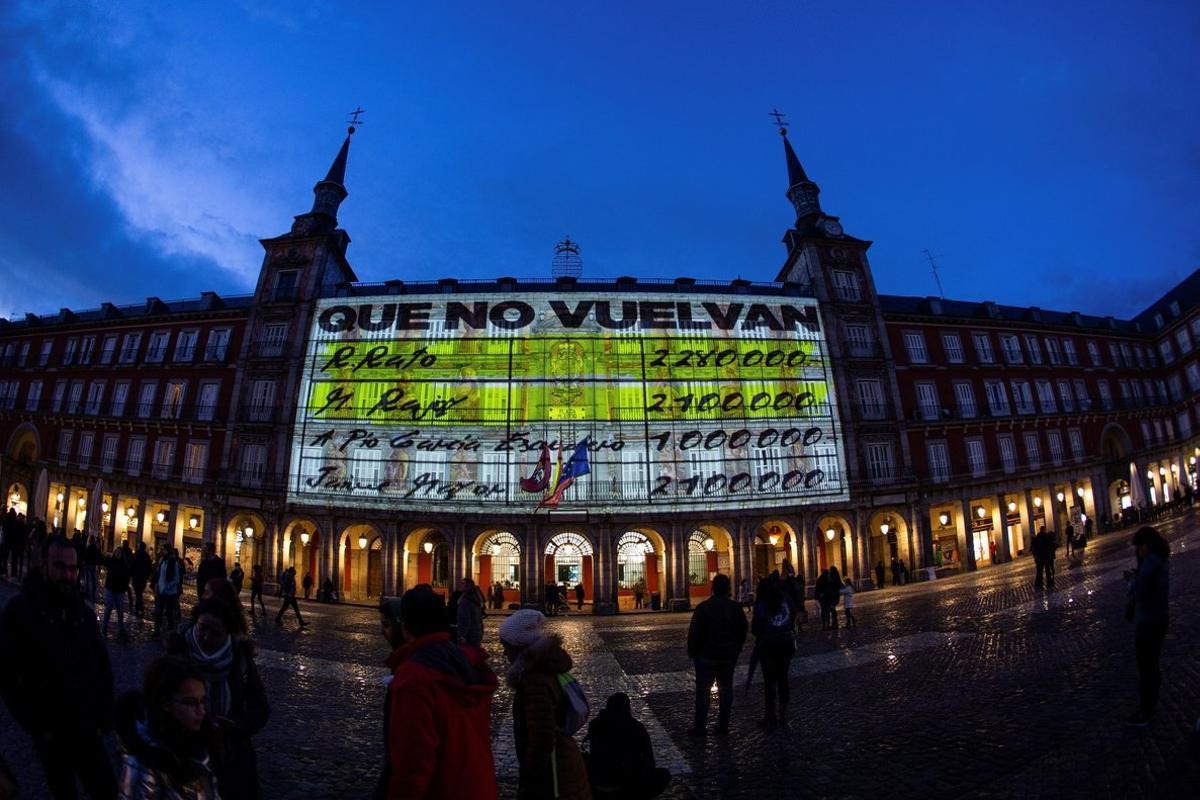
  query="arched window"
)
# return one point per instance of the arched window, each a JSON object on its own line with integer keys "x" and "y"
{"x": 505, "y": 552}
{"x": 632, "y": 549}
{"x": 700, "y": 544}
{"x": 568, "y": 551}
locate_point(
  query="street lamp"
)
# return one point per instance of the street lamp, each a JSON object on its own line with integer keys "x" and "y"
{"x": 104, "y": 507}
{"x": 130, "y": 512}
{"x": 1162, "y": 470}
{"x": 428, "y": 548}
{"x": 884, "y": 528}
{"x": 362, "y": 542}
{"x": 161, "y": 517}
{"x": 60, "y": 498}
{"x": 944, "y": 518}
{"x": 830, "y": 533}
{"x": 1079, "y": 491}
{"x": 249, "y": 532}
{"x": 1012, "y": 506}
{"x": 304, "y": 538}
{"x": 710, "y": 544}
{"x": 1037, "y": 501}
{"x": 81, "y": 502}
{"x": 980, "y": 512}
{"x": 193, "y": 523}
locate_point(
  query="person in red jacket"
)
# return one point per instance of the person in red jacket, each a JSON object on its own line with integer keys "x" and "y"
{"x": 437, "y": 718}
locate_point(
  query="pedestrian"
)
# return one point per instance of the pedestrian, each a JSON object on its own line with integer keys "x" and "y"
{"x": 833, "y": 595}
{"x": 221, "y": 589}
{"x": 1070, "y": 536}
{"x": 579, "y": 597}
{"x": 787, "y": 570}
{"x": 549, "y": 762}
{"x": 775, "y": 644}
{"x": 287, "y": 590}
{"x": 139, "y": 574}
{"x": 895, "y": 571}
{"x": 91, "y": 570}
{"x": 168, "y": 586}
{"x": 469, "y": 615}
{"x": 620, "y": 760}
{"x": 56, "y": 678}
{"x": 256, "y": 589}
{"x": 793, "y": 592}
{"x": 716, "y": 636}
{"x": 233, "y": 690}
{"x": 437, "y": 714}
{"x": 639, "y": 593}
{"x": 1087, "y": 530}
{"x": 16, "y": 540}
{"x": 165, "y": 734}
{"x": 308, "y": 584}
{"x": 1038, "y": 548}
{"x": 237, "y": 577}
{"x": 1147, "y": 609}
{"x": 879, "y": 574}
{"x": 116, "y": 585}
{"x": 848, "y": 603}
{"x": 8, "y": 532}
{"x": 904, "y": 573}
{"x": 211, "y": 566}
{"x": 1050, "y": 554}
{"x": 498, "y": 595}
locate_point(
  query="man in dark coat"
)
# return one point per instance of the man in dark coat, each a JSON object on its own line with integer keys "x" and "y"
{"x": 621, "y": 760}
{"x": 579, "y": 597}
{"x": 139, "y": 574}
{"x": 1041, "y": 540}
{"x": 56, "y": 678}
{"x": 879, "y": 574}
{"x": 715, "y": 639}
{"x": 211, "y": 566}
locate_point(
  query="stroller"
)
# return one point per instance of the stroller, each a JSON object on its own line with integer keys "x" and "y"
{"x": 555, "y": 603}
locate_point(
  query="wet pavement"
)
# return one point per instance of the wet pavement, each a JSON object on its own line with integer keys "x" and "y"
{"x": 975, "y": 685}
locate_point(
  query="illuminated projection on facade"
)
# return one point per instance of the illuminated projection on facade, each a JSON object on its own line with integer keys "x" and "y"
{"x": 426, "y": 402}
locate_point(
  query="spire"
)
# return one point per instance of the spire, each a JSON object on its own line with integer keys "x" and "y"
{"x": 330, "y": 192}
{"x": 801, "y": 190}
{"x": 796, "y": 172}
{"x": 337, "y": 170}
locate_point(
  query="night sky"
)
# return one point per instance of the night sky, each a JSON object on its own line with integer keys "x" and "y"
{"x": 1046, "y": 153}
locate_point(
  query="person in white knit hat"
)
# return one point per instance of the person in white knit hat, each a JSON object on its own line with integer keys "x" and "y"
{"x": 551, "y": 765}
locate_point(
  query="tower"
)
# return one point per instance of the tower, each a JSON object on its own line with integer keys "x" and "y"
{"x": 567, "y": 262}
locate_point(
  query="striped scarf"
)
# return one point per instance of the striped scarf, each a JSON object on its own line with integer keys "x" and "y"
{"x": 214, "y": 668}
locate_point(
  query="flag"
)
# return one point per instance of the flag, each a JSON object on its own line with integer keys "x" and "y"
{"x": 577, "y": 466}
{"x": 539, "y": 479}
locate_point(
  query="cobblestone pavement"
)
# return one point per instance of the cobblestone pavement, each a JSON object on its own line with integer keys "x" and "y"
{"x": 974, "y": 685}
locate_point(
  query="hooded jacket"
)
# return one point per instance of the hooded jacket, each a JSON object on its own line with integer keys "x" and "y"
{"x": 438, "y": 722}
{"x": 150, "y": 771}
{"x": 539, "y": 713}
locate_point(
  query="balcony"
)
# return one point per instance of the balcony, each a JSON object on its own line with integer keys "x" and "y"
{"x": 268, "y": 348}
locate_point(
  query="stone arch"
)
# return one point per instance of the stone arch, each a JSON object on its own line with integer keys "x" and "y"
{"x": 17, "y": 496}
{"x": 709, "y": 553}
{"x": 306, "y": 557}
{"x": 249, "y": 550}
{"x": 881, "y": 546}
{"x": 24, "y": 444}
{"x": 775, "y": 540}
{"x": 427, "y": 564}
{"x": 361, "y": 573}
{"x": 497, "y": 566}
{"x": 569, "y": 558}
{"x": 640, "y": 555}
{"x": 1115, "y": 443}
{"x": 835, "y": 540}
{"x": 1120, "y": 495}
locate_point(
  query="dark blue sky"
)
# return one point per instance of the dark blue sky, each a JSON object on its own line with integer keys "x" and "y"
{"x": 1047, "y": 153}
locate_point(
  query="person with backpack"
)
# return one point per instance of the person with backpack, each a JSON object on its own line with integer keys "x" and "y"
{"x": 167, "y": 587}
{"x": 548, "y": 708}
{"x": 775, "y": 644}
{"x": 287, "y": 589}
{"x": 116, "y": 584}
{"x": 831, "y": 595}
{"x": 848, "y": 603}
{"x": 716, "y": 636}
{"x": 437, "y": 718}
{"x": 620, "y": 759}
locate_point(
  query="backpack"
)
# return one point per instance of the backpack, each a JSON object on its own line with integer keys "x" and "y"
{"x": 576, "y": 707}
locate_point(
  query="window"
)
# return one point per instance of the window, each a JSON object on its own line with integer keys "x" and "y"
{"x": 207, "y": 406}
{"x": 1176, "y": 384}
{"x": 939, "y": 462}
{"x": 85, "y": 448}
{"x": 870, "y": 398}
{"x": 108, "y": 453}
{"x": 129, "y": 348}
{"x": 1193, "y": 376}
{"x": 1069, "y": 350}
{"x": 1081, "y": 394}
{"x": 964, "y": 396}
{"x": 914, "y": 343}
{"x": 1022, "y": 397}
{"x": 976, "y": 458}
{"x": 108, "y": 349}
{"x": 218, "y": 343}
{"x": 1064, "y": 394}
{"x": 954, "y": 349}
{"x": 185, "y": 345}
{"x": 845, "y": 285}
{"x": 1137, "y": 392}
{"x": 156, "y": 349}
{"x": 1127, "y": 355}
{"x": 858, "y": 337}
{"x": 262, "y": 400}
{"x": 8, "y": 393}
{"x": 1035, "y": 349}
{"x": 879, "y": 461}
{"x": 983, "y": 348}
{"x": 146, "y": 399}
{"x": 997, "y": 398}
{"x": 95, "y": 397}
{"x": 1161, "y": 386}
{"x": 1054, "y": 439}
{"x": 65, "y": 439}
{"x": 1045, "y": 393}
{"x": 1158, "y": 430}
{"x": 164, "y": 458}
{"x": 76, "y": 398}
{"x": 195, "y": 462}
{"x": 24, "y": 356}
{"x": 1114, "y": 353}
{"x": 8, "y": 355}
{"x": 135, "y": 455}
{"x": 1075, "y": 436}
{"x": 44, "y": 358}
{"x": 69, "y": 352}
{"x": 1052, "y": 351}
{"x": 1183, "y": 340}
{"x": 285, "y": 285}
{"x": 1033, "y": 450}
{"x": 1184, "y": 422}
{"x": 60, "y": 391}
{"x": 1164, "y": 347}
{"x": 254, "y": 464}
{"x": 273, "y": 336}
{"x": 1008, "y": 453}
{"x": 33, "y": 397}
{"x": 1012, "y": 348}
{"x": 1105, "y": 395}
{"x": 172, "y": 402}
{"x": 928, "y": 405}
{"x": 1094, "y": 354}
{"x": 1126, "y": 397}
{"x": 120, "y": 395}
{"x": 86, "y": 345}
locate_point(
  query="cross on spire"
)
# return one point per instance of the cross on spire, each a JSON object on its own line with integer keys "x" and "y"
{"x": 355, "y": 118}
{"x": 780, "y": 121}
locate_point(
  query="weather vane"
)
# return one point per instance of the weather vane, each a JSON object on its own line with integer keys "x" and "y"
{"x": 356, "y": 120}
{"x": 779, "y": 121}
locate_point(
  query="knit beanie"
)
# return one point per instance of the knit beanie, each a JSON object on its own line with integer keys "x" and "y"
{"x": 523, "y": 628}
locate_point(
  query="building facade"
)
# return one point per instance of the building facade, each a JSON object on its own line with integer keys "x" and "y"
{"x": 384, "y": 435}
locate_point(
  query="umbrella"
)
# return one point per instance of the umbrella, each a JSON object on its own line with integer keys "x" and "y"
{"x": 1137, "y": 489}
{"x": 95, "y": 511}
{"x": 41, "y": 496}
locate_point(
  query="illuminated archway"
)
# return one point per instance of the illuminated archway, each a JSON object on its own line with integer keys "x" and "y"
{"x": 887, "y": 540}
{"x": 360, "y": 547}
{"x": 710, "y": 552}
{"x": 570, "y": 563}
{"x": 244, "y": 540}
{"x": 774, "y": 542}
{"x": 17, "y": 497}
{"x": 498, "y": 567}
{"x": 641, "y": 565}
{"x": 302, "y": 549}
{"x": 834, "y": 536}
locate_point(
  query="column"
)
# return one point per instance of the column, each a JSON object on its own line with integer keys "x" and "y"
{"x": 532, "y": 565}
{"x": 923, "y": 525}
{"x": 679, "y": 555}
{"x": 389, "y": 567}
{"x": 1058, "y": 513}
{"x": 605, "y": 591}
{"x": 329, "y": 550}
{"x": 743, "y": 552}
{"x": 966, "y": 537}
{"x": 1004, "y": 539}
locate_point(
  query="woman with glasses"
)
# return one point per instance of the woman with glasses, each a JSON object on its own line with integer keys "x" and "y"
{"x": 165, "y": 736}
